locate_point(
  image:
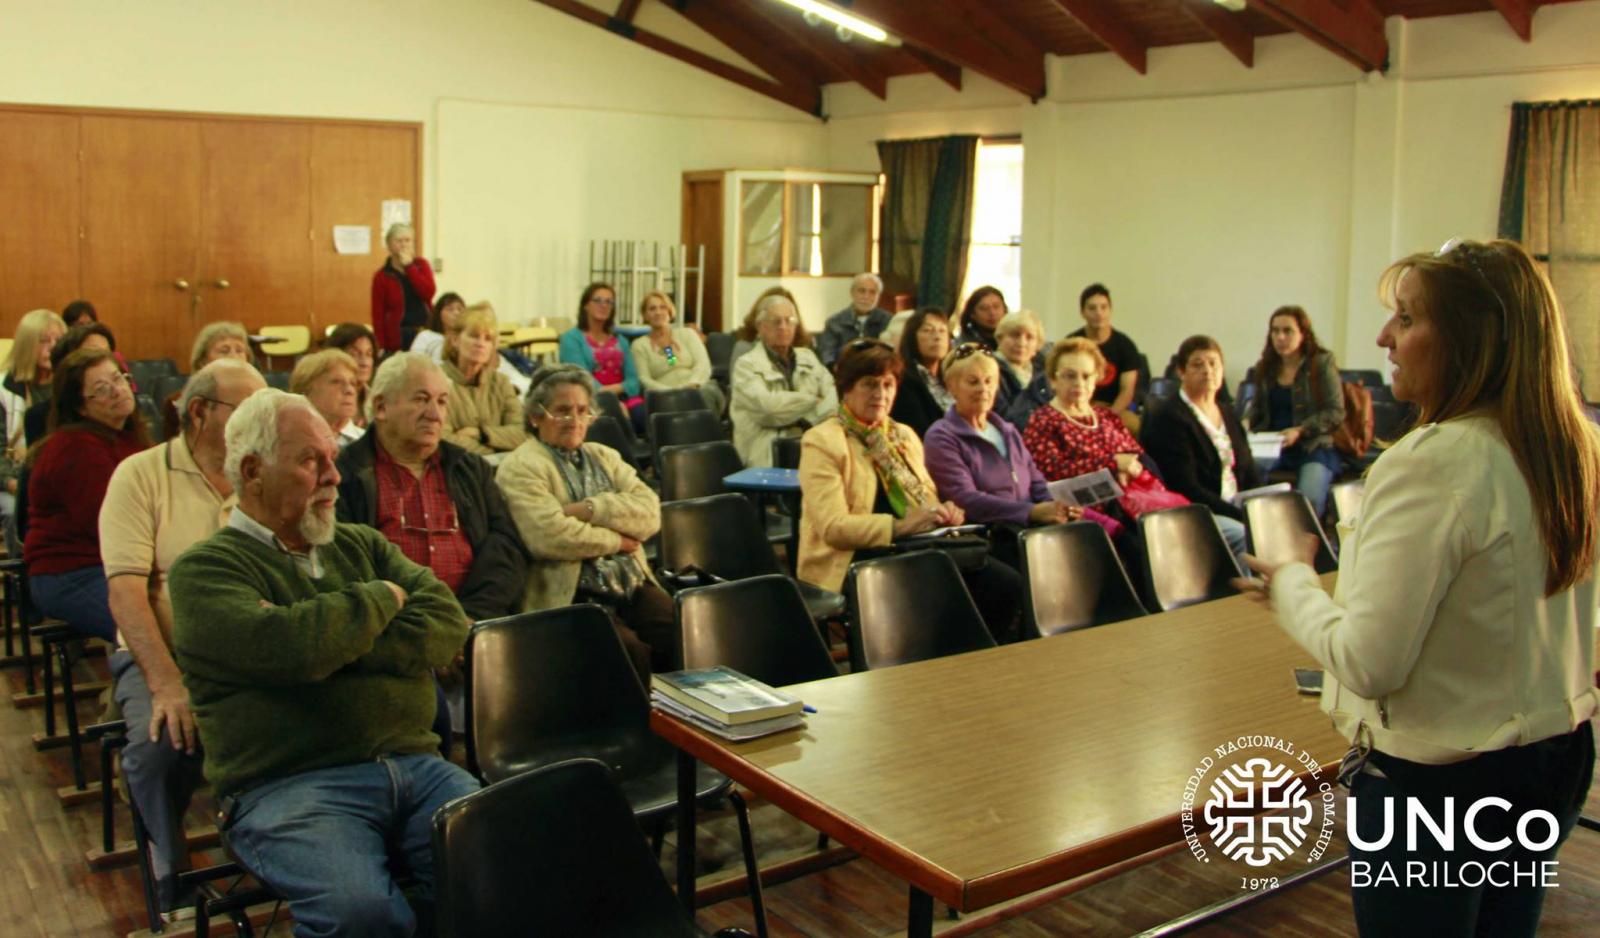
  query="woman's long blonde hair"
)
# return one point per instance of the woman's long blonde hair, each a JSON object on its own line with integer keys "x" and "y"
{"x": 23, "y": 362}
{"x": 478, "y": 316}
{"x": 1503, "y": 353}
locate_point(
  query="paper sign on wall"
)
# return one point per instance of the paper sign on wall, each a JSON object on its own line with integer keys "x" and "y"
{"x": 396, "y": 212}
{"x": 352, "y": 239}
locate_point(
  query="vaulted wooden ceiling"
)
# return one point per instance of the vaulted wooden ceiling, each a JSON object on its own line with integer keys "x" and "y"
{"x": 1007, "y": 40}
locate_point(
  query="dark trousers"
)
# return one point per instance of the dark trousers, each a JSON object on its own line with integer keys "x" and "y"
{"x": 1551, "y": 775}
{"x": 996, "y": 589}
{"x": 648, "y": 627}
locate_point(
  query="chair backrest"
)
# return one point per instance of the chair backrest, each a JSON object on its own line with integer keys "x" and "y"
{"x": 607, "y": 403}
{"x": 606, "y": 431}
{"x": 719, "y": 349}
{"x": 285, "y": 341}
{"x": 910, "y": 607}
{"x": 1187, "y": 559}
{"x": 277, "y": 379}
{"x": 786, "y": 452}
{"x": 1391, "y": 419}
{"x": 558, "y": 845}
{"x": 164, "y": 386}
{"x": 695, "y": 470}
{"x": 1347, "y": 498}
{"x": 685, "y": 426}
{"x": 145, "y": 371}
{"x": 1277, "y": 521}
{"x": 1074, "y": 579}
{"x": 151, "y": 410}
{"x": 552, "y": 685}
{"x": 720, "y": 534}
{"x": 759, "y": 626}
{"x": 675, "y": 399}
{"x": 1245, "y": 398}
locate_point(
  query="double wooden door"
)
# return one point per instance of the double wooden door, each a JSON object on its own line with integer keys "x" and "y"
{"x": 168, "y": 221}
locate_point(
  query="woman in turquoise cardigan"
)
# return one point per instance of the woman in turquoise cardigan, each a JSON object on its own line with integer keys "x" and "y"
{"x": 595, "y": 347}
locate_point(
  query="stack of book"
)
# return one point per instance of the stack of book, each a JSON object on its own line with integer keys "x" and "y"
{"x": 725, "y": 702}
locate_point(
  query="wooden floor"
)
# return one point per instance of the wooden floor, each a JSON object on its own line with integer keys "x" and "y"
{"x": 47, "y": 888}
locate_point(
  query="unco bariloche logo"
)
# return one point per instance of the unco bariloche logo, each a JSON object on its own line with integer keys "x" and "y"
{"x": 1257, "y": 809}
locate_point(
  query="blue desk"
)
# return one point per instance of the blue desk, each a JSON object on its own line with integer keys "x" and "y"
{"x": 631, "y": 332}
{"x": 765, "y": 481}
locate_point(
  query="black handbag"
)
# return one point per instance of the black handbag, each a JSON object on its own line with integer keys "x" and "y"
{"x": 967, "y": 545}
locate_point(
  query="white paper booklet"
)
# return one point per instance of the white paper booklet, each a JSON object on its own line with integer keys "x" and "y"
{"x": 1086, "y": 490}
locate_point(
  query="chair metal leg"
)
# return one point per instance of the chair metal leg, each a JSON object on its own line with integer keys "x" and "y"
{"x": 752, "y": 872}
{"x": 49, "y": 691}
{"x": 658, "y": 835}
{"x": 686, "y": 809}
{"x": 70, "y": 699}
{"x": 1585, "y": 820}
{"x": 147, "y": 876}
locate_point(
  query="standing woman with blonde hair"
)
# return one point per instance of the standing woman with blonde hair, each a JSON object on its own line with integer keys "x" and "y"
{"x": 26, "y": 382}
{"x": 1459, "y": 640}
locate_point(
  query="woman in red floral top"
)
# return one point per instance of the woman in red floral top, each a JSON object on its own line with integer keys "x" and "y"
{"x": 1071, "y": 436}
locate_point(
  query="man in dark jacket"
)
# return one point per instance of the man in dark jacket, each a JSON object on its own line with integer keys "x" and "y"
{"x": 863, "y": 318}
{"x": 434, "y": 500}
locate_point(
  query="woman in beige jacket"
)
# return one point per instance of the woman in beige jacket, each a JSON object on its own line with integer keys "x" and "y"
{"x": 584, "y": 514}
{"x": 863, "y": 485}
{"x": 483, "y": 415}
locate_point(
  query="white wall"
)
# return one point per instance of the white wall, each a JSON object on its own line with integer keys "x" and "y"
{"x": 1206, "y": 194}
{"x": 541, "y": 131}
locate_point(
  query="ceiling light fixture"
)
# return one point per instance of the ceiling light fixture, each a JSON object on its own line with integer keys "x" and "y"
{"x": 845, "y": 22}
{"x": 1236, "y": 6}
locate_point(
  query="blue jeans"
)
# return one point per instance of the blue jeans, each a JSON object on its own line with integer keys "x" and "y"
{"x": 323, "y": 841}
{"x": 78, "y": 598}
{"x": 1317, "y": 469}
{"x": 1233, "y": 532}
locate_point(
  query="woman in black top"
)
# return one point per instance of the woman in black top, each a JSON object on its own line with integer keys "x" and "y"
{"x": 923, "y": 397}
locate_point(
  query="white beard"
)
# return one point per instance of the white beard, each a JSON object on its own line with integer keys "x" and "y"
{"x": 317, "y": 527}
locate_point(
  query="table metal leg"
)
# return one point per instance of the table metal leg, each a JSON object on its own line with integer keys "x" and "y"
{"x": 686, "y": 806}
{"x": 919, "y": 915}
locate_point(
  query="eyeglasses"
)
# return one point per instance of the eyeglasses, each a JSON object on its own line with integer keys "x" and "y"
{"x": 1459, "y": 247}
{"x": 582, "y": 415}
{"x": 109, "y": 387}
{"x": 602, "y": 301}
{"x": 409, "y": 528}
{"x": 212, "y": 400}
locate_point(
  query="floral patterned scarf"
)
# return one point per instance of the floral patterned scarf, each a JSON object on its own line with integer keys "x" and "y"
{"x": 901, "y": 485}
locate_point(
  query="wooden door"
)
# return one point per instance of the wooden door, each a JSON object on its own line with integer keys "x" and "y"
{"x": 702, "y": 225}
{"x": 39, "y": 189}
{"x": 354, "y": 168}
{"x": 255, "y": 224}
{"x": 141, "y": 230}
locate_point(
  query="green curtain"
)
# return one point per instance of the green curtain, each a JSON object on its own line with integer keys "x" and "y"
{"x": 927, "y": 214}
{"x": 1550, "y": 201}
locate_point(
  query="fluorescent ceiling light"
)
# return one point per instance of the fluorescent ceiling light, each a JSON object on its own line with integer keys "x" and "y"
{"x": 1234, "y": 5}
{"x": 840, "y": 18}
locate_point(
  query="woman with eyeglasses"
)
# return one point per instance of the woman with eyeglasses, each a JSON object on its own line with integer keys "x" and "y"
{"x": 330, "y": 381}
{"x": 1458, "y": 642}
{"x": 484, "y": 416}
{"x": 584, "y": 514}
{"x": 594, "y": 346}
{"x": 1300, "y": 397}
{"x": 864, "y": 484}
{"x": 94, "y": 425}
{"x": 923, "y": 397}
{"x": 672, "y": 356}
{"x": 779, "y": 389}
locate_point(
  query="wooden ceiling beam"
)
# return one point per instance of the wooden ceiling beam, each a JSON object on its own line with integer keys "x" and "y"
{"x": 736, "y": 36}
{"x": 1518, "y": 13}
{"x": 824, "y": 45}
{"x": 1353, "y": 31}
{"x": 627, "y": 9}
{"x": 1225, "y": 27}
{"x": 946, "y": 72}
{"x": 915, "y": 24}
{"x": 1104, "y": 26}
{"x": 805, "y": 98}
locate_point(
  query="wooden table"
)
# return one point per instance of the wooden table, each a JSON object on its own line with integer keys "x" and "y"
{"x": 984, "y": 776}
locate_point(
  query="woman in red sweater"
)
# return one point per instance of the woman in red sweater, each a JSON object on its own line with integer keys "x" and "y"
{"x": 94, "y": 425}
{"x": 402, "y": 291}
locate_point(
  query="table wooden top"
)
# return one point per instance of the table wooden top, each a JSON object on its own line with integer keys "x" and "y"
{"x": 984, "y": 776}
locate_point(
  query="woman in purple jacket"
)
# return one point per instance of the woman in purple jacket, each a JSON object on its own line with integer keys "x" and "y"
{"x": 979, "y": 461}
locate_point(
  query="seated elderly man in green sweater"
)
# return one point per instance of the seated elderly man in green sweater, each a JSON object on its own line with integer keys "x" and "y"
{"x": 308, "y": 648}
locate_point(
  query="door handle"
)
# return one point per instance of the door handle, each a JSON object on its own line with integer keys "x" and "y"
{"x": 181, "y": 284}
{"x": 221, "y": 284}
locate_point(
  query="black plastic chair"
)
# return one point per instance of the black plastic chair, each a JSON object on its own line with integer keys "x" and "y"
{"x": 1392, "y": 420}
{"x": 695, "y": 470}
{"x": 719, "y": 349}
{"x": 638, "y": 451}
{"x": 1187, "y": 559}
{"x": 1074, "y": 579}
{"x": 1276, "y": 522}
{"x": 786, "y": 452}
{"x": 1247, "y": 396}
{"x": 607, "y": 432}
{"x": 721, "y": 537}
{"x": 554, "y": 851}
{"x": 146, "y": 371}
{"x": 556, "y": 684}
{"x": 910, "y": 607}
{"x": 1161, "y": 391}
{"x": 151, "y": 409}
{"x": 676, "y": 428}
{"x": 164, "y": 387}
{"x": 674, "y": 401}
{"x": 277, "y": 379}
{"x": 759, "y": 627}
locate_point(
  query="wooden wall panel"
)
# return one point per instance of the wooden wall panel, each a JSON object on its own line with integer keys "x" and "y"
{"x": 141, "y": 221}
{"x": 255, "y": 230}
{"x": 39, "y": 189}
{"x": 354, "y": 168}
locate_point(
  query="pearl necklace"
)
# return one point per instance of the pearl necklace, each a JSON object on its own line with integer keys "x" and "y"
{"x": 1093, "y": 422}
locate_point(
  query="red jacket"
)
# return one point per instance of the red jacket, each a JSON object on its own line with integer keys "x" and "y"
{"x": 389, "y": 300}
{"x": 65, "y": 488}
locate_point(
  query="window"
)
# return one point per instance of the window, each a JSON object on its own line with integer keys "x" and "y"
{"x": 994, "y": 256}
{"x": 806, "y": 229}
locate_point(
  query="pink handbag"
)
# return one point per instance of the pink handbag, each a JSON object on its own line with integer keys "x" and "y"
{"x": 1144, "y": 492}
